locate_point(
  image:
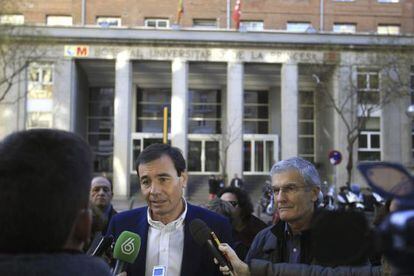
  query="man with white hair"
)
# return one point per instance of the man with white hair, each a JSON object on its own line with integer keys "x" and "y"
{"x": 296, "y": 186}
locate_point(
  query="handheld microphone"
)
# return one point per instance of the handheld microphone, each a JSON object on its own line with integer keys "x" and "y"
{"x": 126, "y": 250}
{"x": 103, "y": 245}
{"x": 202, "y": 234}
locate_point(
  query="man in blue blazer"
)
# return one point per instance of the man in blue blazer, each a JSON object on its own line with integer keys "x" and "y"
{"x": 163, "y": 225}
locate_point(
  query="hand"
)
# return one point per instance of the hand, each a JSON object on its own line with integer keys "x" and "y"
{"x": 240, "y": 268}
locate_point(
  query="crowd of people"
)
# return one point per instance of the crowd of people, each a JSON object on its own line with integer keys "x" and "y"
{"x": 55, "y": 214}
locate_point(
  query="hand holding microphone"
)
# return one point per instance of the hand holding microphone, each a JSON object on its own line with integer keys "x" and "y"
{"x": 239, "y": 267}
{"x": 126, "y": 250}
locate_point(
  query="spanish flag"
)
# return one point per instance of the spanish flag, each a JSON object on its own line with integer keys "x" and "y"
{"x": 180, "y": 11}
{"x": 237, "y": 14}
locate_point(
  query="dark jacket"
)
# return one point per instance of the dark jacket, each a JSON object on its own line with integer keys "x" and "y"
{"x": 59, "y": 264}
{"x": 266, "y": 268}
{"x": 270, "y": 245}
{"x": 196, "y": 260}
{"x": 244, "y": 238}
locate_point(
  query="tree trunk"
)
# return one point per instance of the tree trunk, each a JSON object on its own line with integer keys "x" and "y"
{"x": 349, "y": 165}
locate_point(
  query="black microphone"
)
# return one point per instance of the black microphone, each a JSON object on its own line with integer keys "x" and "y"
{"x": 202, "y": 234}
{"x": 103, "y": 245}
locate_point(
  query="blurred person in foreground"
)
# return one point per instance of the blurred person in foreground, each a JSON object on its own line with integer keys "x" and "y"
{"x": 163, "y": 225}
{"x": 245, "y": 224}
{"x": 44, "y": 181}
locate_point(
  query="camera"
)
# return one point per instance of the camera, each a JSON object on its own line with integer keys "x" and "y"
{"x": 395, "y": 235}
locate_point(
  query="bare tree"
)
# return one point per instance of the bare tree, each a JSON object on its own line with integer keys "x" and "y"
{"x": 17, "y": 51}
{"x": 357, "y": 103}
{"x": 229, "y": 135}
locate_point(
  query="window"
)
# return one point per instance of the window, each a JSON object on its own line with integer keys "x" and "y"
{"x": 108, "y": 21}
{"x": 306, "y": 119}
{"x": 369, "y": 146}
{"x": 101, "y": 127}
{"x": 204, "y": 111}
{"x": 260, "y": 153}
{"x": 256, "y": 112}
{"x": 388, "y": 1}
{"x": 203, "y": 154}
{"x": 205, "y": 23}
{"x": 59, "y": 20}
{"x": 388, "y": 29}
{"x": 150, "y": 109}
{"x": 369, "y": 143}
{"x": 368, "y": 86}
{"x": 157, "y": 23}
{"x": 344, "y": 28}
{"x": 251, "y": 25}
{"x": 39, "y": 104}
{"x": 12, "y": 19}
{"x": 298, "y": 26}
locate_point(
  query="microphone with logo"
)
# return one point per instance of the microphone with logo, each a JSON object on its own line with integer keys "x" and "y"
{"x": 126, "y": 250}
{"x": 203, "y": 235}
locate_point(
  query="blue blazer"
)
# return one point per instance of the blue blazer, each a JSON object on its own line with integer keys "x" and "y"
{"x": 196, "y": 260}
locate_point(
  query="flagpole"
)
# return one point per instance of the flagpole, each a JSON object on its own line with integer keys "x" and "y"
{"x": 228, "y": 14}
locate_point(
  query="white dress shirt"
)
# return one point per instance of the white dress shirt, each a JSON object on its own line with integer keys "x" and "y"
{"x": 165, "y": 244}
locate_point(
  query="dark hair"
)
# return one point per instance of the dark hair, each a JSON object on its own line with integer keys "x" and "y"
{"x": 44, "y": 182}
{"x": 156, "y": 151}
{"x": 243, "y": 199}
{"x": 340, "y": 238}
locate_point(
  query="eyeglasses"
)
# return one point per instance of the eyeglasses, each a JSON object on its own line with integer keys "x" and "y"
{"x": 234, "y": 203}
{"x": 288, "y": 189}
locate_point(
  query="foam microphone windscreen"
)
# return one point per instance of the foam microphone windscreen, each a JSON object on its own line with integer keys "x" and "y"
{"x": 200, "y": 231}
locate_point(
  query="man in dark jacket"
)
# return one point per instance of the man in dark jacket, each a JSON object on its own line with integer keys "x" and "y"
{"x": 44, "y": 205}
{"x": 296, "y": 186}
{"x": 163, "y": 225}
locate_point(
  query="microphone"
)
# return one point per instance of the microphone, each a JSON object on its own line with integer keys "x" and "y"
{"x": 202, "y": 234}
{"x": 103, "y": 245}
{"x": 126, "y": 250}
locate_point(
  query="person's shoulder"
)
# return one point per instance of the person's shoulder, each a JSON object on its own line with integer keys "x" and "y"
{"x": 256, "y": 223}
{"x": 266, "y": 234}
{"x": 203, "y": 213}
{"x": 134, "y": 213}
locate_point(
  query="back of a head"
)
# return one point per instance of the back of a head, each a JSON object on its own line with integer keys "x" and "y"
{"x": 156, "y": 151}
{"x": 305, "y": 168}
{"x": 221, "y": 207}
{"x": 341, "y": 238}
{"x": 44, "y": 182}
{"x": 244, "y": 202}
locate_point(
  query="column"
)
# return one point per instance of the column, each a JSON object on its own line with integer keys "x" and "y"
{"x": 289, "y": 110}
{"x": 122, "y": 126}
{"x": 179, "y": 105}
{"x": 233, "y": 135}
{"x": 62, "y": 94}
